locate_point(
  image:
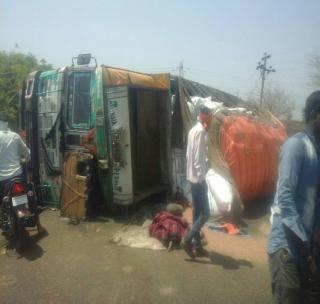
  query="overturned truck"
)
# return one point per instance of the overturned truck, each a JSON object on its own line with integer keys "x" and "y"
{"x": 106, "y": 137}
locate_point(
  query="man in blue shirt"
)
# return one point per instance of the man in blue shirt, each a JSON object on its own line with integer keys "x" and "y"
{"x": 295, "y": 213}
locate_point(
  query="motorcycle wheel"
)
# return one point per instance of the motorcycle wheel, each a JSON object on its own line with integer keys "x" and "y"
{"x": 20, "y": 234}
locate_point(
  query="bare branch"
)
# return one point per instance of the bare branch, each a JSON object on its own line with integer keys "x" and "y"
{"x": 315, "y": 74}
{"x": 277, "y": 101}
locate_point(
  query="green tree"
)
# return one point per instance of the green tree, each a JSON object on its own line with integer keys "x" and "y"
{"x": 14, "y": 68}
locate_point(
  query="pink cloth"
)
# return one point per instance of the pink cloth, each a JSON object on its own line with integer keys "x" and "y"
{"x": 167, "y": 226}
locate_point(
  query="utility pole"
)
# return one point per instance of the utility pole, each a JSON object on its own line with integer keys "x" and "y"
{"x": 264, "y": 71}
{"x": 181, "y": 70}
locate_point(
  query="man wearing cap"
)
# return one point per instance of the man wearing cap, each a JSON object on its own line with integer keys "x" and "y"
{"x": 196, "y": 173}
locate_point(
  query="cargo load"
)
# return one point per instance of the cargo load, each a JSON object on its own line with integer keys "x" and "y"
{"x": 250, "y": 146}
{"x": 243, "y": 150}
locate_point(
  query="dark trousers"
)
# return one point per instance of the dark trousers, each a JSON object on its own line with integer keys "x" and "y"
{"x": 201, "y": 212}
{"x": 292, "y": 283}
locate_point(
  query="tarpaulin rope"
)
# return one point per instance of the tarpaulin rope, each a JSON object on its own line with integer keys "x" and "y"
{"x": 78, "y": 194}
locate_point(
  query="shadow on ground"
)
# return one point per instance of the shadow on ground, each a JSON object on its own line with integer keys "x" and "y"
{"x": 226, "y": 262}
{"x": 32, "y": 250}
{"x": 133, "y": 214}
{"x": 138, "y": 213}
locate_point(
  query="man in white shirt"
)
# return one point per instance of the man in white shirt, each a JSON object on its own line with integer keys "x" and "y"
{"x": 196, "y": 173}
{"x": 12, "y": 150}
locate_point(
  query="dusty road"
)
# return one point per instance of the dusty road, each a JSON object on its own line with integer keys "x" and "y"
{"x": 78, "y": 264}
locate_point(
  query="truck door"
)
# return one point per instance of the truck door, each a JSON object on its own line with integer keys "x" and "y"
{"x": 118, "y": 122}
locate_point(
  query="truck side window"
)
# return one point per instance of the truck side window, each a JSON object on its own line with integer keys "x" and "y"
{"x": 79, "y": 100}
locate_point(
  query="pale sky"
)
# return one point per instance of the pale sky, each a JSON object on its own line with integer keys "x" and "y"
{"x": 219, "y": 42}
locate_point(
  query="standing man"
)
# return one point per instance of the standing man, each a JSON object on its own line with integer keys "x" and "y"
{"x": 196, "y": 173}
{"x": 12, "y": 150}
{"x": 295, "y": 213}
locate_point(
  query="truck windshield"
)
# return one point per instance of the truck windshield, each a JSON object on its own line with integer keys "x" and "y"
{"x": 79, "y": 100}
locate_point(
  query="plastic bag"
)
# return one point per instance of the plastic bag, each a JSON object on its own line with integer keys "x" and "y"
{"x": 219, "y": 193}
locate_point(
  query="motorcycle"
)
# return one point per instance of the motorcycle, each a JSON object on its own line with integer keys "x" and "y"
{"x": 18, "y": 211}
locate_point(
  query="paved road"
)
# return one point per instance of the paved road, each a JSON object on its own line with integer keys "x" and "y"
{"x": 78, "y": 264}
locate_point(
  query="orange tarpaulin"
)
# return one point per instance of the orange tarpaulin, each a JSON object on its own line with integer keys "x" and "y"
{"x": 119, "y": 77}
{"x": 251, "y": 148}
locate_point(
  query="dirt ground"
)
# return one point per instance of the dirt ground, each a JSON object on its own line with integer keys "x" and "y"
{"x": 79, "y": 264}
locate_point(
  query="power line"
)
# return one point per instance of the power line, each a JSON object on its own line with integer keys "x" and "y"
{"x": 221, "y": 75}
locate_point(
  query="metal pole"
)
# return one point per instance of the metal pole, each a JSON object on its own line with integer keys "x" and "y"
{"x": 263, "y": 77}
{"x": 262, "y": 66}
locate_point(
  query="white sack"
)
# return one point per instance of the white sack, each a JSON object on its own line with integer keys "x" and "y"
{"x": 219, "y": 193}
{"x": 214, "y": 210}
{"x": 199, "y": 101}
